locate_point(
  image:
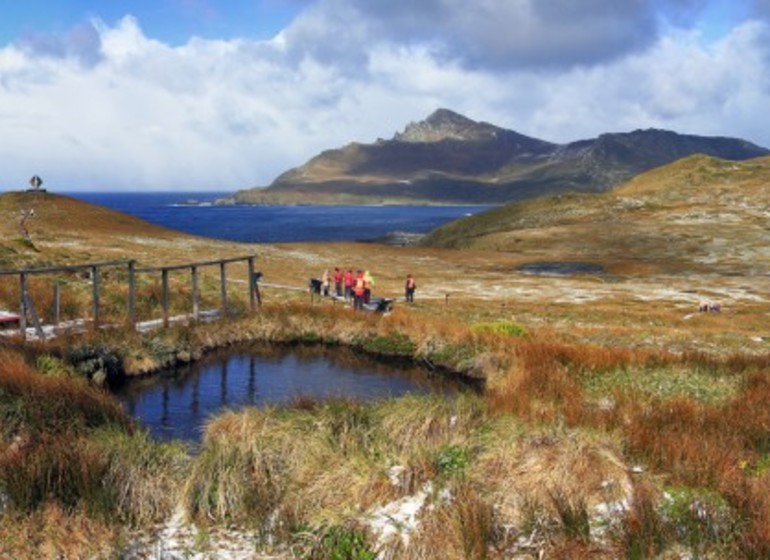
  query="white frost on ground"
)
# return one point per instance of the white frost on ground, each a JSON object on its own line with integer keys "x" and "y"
{"x": 398, "y": 519}
{"x": 179, "y": 539}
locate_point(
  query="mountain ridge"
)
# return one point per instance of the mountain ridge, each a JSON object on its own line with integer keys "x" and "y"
{"x": 449, "y": 158}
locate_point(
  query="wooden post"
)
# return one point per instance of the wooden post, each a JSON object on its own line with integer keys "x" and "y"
{"x": 95, "y": 290}
{"x": 164, "y": 297}
{"x": 223, "y": 278}
{"x": 23, "y": 305}
{"x": 252, "y": 285}
{"x": 195, "y": 294}
{"x": 56, "y": 302}
{"x": 132, "y": 293}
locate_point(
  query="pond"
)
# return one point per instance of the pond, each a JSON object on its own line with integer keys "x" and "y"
{"x": 561, "y": 268}
{"x": 177, "y": 403}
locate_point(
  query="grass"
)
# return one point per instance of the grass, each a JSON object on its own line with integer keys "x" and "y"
{"x": 280, "y": 471}
{"x": 698, "y": 418}
{"x": 602, "y": 394}
{"x": 533, "y": 454}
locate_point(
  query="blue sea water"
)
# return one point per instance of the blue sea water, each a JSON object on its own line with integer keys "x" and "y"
{"x": 190, "y": 212}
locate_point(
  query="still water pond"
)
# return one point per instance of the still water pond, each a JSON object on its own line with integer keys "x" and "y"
{"x": 177, "y": 403}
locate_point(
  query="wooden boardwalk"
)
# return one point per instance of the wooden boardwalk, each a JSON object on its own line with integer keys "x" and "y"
{"x": 28, "y": 324}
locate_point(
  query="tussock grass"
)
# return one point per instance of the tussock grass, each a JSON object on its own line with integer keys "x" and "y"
{"x": 460, "y": 527}
{"x": 241, "y": 473}
{"x": 51, "y": 533}
{"x": 39, "y": 406}
{"x": 322, "y": 465}
{"x": 528, "y": 458}
{"x": 68, "y": 443}
{"x": 319, "y": 465}
{"x": 142, "y": 476}
{"x": 539, "y": 386}
{"x": 539, "y": 479}
{"x": 61, "y": 469}
{"x": 430, "y": 422}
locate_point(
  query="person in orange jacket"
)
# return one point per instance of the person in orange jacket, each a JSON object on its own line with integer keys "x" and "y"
{"x": 358, "y": 291}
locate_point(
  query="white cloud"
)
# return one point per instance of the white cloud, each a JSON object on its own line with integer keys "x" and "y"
{"x": 497, "y": 34}
{"x": 109, "y": 107}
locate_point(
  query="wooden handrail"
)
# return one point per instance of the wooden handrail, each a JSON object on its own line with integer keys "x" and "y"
{"x": 93, "y": 268}
{"x": 195, "y": 264}
{"x": 65, "y": 268}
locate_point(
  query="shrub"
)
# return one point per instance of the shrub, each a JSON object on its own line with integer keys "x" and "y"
{"x": 500, "y": 327}
{"x": 452, "y": 460}
{"x": 394, "y": 344}
{"x": 699, "y": 517}
{"x": 50, "y": 365}
{"x": 95, "y": 360}
{"x": 339, "y": 542}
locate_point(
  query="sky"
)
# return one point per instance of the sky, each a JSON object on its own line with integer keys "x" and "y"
{"x": 205, "y": 95}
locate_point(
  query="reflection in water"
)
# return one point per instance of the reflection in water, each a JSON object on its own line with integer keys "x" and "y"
{"x": 177, "y": 403}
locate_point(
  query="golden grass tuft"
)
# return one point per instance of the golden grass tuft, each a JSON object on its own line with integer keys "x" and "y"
{"x": 144, "y": 477}
{"x": 51, "y": 405}
{"x": 460, "y": 528}
{"x": 51, "y": 534}
{"x": 540, "y": 386}
{"x": 542, "y": 474}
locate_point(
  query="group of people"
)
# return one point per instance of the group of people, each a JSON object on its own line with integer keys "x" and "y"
{"x": 353, "y": 287}
{"x": 357, "y": 287}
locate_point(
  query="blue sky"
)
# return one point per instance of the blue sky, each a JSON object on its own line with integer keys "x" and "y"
{"x": 215, "y": 95}
{"x": 171, "y": 21}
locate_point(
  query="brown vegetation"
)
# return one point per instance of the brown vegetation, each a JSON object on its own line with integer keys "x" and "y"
{"x": 604, "y": 393}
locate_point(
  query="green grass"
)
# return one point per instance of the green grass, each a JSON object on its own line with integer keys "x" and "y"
{"x": 665, "y": 382}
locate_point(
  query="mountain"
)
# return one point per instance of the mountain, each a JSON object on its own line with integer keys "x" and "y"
{"x": 449, "y": 158}
{"x": 699, "y": 214}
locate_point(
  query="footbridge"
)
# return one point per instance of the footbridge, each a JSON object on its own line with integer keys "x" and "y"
{"x": 123, "y": 276}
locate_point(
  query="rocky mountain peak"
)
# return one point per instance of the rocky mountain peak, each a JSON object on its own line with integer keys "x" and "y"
{"x": 444, "y": 124}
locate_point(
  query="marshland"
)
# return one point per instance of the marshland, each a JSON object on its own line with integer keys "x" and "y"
{"x": 615, "y": 419}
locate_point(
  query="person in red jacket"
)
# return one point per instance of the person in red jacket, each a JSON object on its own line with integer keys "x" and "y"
{"x": 348, "y": 279}
{"x": 409, "y": 288}
{"x": 337, "y": 277}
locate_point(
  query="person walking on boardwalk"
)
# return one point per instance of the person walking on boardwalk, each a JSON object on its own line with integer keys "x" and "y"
{"x": 347, "y": 280}
{"x": 358, "y": 291}
{"x": 409, "y": 287}
{"x": 368, "y": 284}
{"x": 337, "y": 281}
{"x": 326, "y": 280}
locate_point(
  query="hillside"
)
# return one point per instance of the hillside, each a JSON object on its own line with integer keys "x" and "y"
{"x": 65, "y": 230}
{"x": 451, "y": 159}
{"x": 616, "y": 421}
{"x": 698, "y": 214}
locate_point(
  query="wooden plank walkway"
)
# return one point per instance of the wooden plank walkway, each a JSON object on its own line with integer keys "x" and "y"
{"x": 93, "y": 272}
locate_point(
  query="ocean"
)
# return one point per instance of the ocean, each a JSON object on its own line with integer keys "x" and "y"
{"x": 192, "y": 212}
